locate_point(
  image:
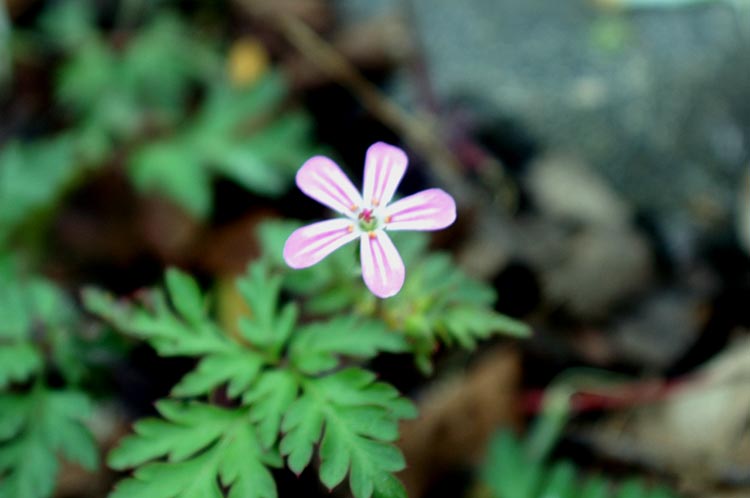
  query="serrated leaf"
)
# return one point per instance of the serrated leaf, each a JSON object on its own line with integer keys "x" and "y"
{"x": 359, "y": 417}
{"x": 37, "y": 427}
{"x": 316, "y": 347}
{"x": 186, "y": 430}
{"x": 270, "y": 398}
{"x": 204, "y": 445}
{"x": 267, "y": 326}
{"x": 238, "y": 369}
{"x": 185, "y": 295}
{"x": 168, "y": 332}
{"x": 466, "y": 324}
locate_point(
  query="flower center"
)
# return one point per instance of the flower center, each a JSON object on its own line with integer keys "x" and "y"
{"x": 367, "y": 221}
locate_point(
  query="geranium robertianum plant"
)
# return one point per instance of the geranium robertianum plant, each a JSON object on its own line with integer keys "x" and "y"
{"x": 289, "y": 380}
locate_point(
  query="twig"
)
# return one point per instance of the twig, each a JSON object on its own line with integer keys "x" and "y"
{"x": 418, "y": 133}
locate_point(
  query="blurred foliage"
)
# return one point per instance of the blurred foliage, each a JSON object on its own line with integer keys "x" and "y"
{"x": 521, "y": 468}
{"x": 5, "y": 52}
{"x": 438, "y": 303}
{"x": 38, "y": 422}
{"x": 161, "y": 94}
{"x": 263, "y": 160}
{"x": 32, "y": 178}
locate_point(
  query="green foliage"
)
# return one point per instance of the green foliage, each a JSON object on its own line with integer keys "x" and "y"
{"x": 32, "y": 177}
{"x": 113, "y": 94}
{"x": 205, "y": 447}
{"x": 5, "y": 56}
{"x": 510, "y": 472}
{"x": 282, "y": 376}
{"x": 437, "y": 303}
{"x": 516, "y": 468}
{"x": 358, "y": 417}
{"x": 38, "y": 423}
{"x": 33, "y": 303}
{"x": 226, "y": 138}
{"x": 34, "y": 428}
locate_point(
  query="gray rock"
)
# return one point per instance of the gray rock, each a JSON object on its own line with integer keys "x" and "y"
{"x": 654, "y": 98}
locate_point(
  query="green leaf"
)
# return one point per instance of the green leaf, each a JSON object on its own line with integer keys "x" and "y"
{"x": 595, "y": 487}
{"x": 316, "y": 347}
{"x": 439, "y": 302}
{"x": 238, "y": 369}
{"x": 33, "y": 177}
{"x": 186, "y": 295}
{"x": 68, "y": 24}
{"x": 507, "y": 470}
{"x": 172, "y": 168}
{"x": 34, "y": 428}
{"x": 240, "y": 164}
{"x": 169, "y": 332}
{"x": 226, "y": 107}
{"x": 467, "y": 323}
{"x": 204, "y": 447}
{"x": 633, "y": 488}
{"x": 561, "y": 481}
{"x": 18, "y": 361}
{"x": 29, "y": 302}
{"x": 267, "y": 327}
{"x": 270, "y": 398}
{"x": 358, "y": 419}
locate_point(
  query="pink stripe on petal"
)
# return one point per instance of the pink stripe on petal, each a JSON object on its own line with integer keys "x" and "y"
{"x": 382, "y": 268}
{"x": 321, "y": 179}
{"x": 385, "y": 166}
{"x": 430, "y": 209}
{"x": 310, "y": 244}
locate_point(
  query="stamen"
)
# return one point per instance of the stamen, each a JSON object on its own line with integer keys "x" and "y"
{"x": 366, "y": 215}
{"x": 353, "y": 207}
{"x": 388, "y": 219}
{"x": 371, "y": 235}
{"x": 350, "y": 228}
{"x": 375, "y": 202}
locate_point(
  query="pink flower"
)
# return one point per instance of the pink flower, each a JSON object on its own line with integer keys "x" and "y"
{"x": 366, "y": 217}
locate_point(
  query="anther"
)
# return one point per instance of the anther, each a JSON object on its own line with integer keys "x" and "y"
{"x": 350, "y": 228}
{"x": 372, "y": 235}
{"x": 353, "y": 207}
{"x": 387, "y": 219}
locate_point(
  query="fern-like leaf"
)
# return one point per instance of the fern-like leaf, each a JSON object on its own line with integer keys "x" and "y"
{"x": 354, "y": 418}
{"x": 318, "y": 346}
{"x": 192, "y": 453}
{"x": 34, "y": 428}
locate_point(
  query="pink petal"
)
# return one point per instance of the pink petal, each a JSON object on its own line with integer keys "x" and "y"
{"x": 385, "y": 165}
{"x": 321, "y": 179}
{"x": 430, "y": 209}
{"x": 382, "y": 267}
{"x": 310, "y": 244}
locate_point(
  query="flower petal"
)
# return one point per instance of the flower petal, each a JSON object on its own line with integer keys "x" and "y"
{"x": 310, "y": 244}
{"x": 385, "y": 165}
{"x": 382, "y": 267}
{"x": 430, "y": 209}
{"x": 322, "y": 179}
